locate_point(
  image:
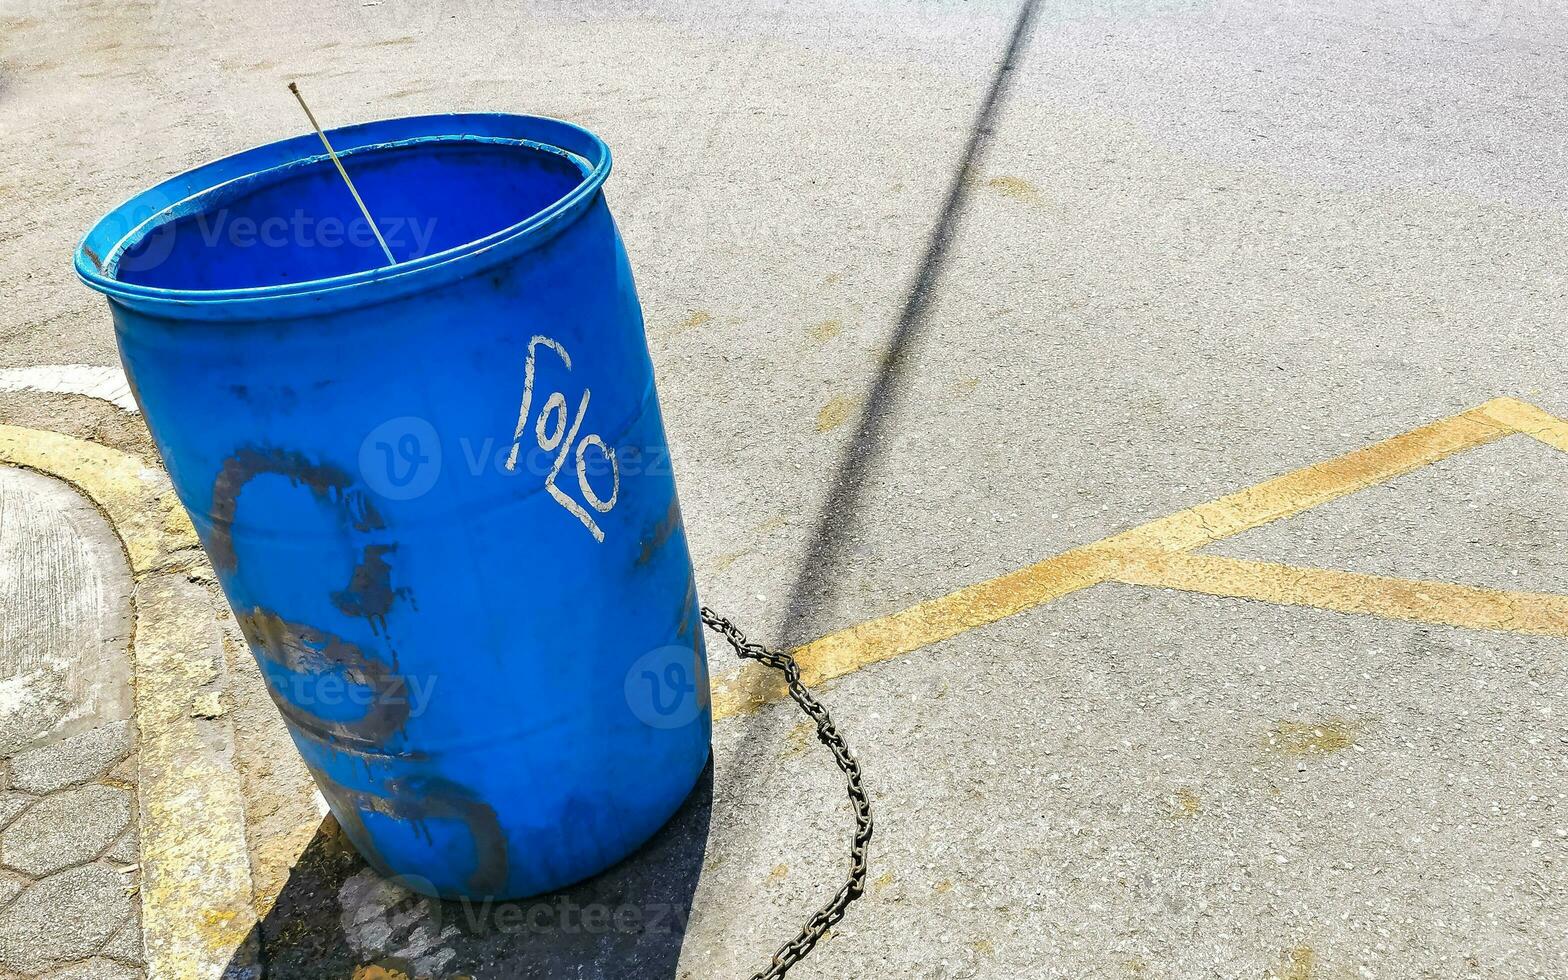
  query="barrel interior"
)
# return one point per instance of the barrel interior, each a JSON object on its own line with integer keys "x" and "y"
{"x": 299, "y": 223}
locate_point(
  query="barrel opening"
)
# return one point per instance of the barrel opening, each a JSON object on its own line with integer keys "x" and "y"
{"x": 298, "y": 223}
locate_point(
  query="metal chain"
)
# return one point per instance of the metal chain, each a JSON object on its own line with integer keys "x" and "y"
{"x": 829, "y": 915}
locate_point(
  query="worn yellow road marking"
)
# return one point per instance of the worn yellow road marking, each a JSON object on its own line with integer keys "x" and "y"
{"x": 1468, "y": 606}
{"x": 976, "y": 605}
{"x": 1526, "y": 419}
{"x": 1319, "y": 483}
{"x": 937, "y": 619}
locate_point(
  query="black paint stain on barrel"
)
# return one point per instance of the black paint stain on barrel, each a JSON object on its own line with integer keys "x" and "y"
{"x": 416, "y": 800}
{"x": 308, "y": 652}
{"x": 324, "y": 480}
{"x": 370, "y": 594}
{"x": 305, "y": 650}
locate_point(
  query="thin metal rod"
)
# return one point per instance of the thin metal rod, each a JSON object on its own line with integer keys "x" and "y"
{"x": 334, "y": 155}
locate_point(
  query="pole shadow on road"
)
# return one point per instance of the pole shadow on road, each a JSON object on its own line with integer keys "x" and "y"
{"x": 336, "y": 917}
{"x": 821, "y": 567}
{"x": 837, "y": 514}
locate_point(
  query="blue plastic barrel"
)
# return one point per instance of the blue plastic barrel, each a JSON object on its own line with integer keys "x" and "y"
{"x": 437, "y": 494}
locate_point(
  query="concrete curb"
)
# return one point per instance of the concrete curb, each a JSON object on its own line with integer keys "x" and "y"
{"x": 197, "y": 894}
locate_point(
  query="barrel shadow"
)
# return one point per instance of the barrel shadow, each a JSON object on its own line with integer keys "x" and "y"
{"x": 336, "y": 918}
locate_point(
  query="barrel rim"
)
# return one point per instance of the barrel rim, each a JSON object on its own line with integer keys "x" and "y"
{"x": 357, "y": 288}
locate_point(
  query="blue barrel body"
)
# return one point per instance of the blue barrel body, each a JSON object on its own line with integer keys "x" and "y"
{"x": 436, "y": 494}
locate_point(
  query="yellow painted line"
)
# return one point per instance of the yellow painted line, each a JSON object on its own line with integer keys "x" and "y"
{"x": 929, "y": 622}
{"x": 1528, "y": 420}
{"x": 977, "y": 605}
{"x": 136, "y": 497}
{"x": 1310, "y": 486}
{"x": 1443, "y": 603}
{"x": 197, "y": 896}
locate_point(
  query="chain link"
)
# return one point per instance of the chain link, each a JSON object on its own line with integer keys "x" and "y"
{"x": 829, "y": 915}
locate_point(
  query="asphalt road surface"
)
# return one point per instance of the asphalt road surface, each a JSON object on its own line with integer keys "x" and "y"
{"x": 920, "y": 322}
